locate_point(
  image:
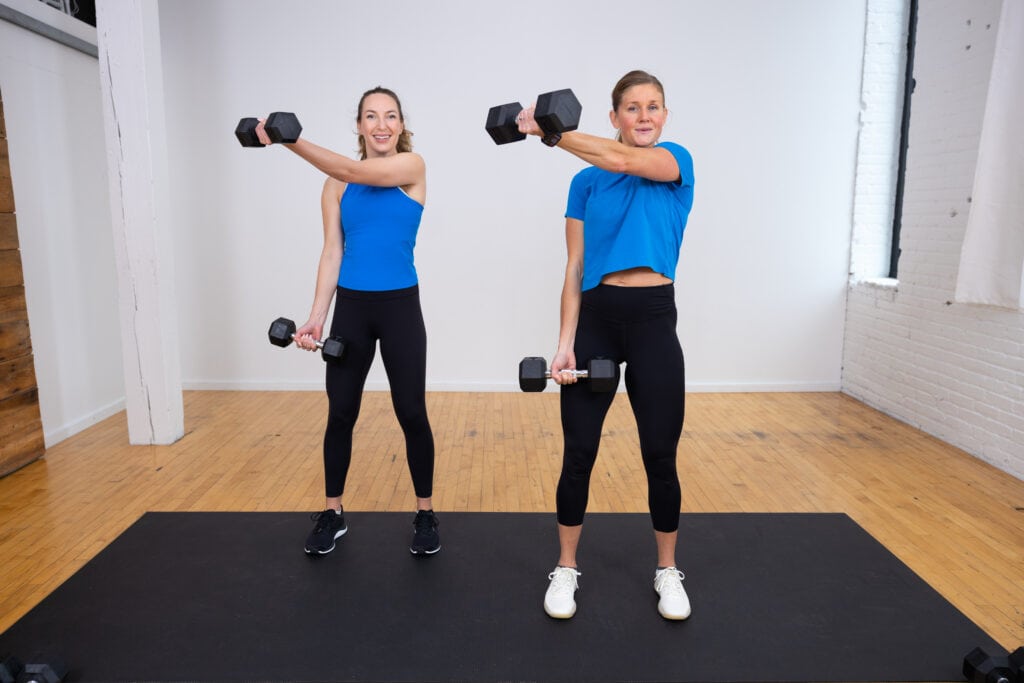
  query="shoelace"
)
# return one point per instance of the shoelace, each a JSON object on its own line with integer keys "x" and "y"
{"x": 563, "y": 580}
{"x": 669, "y": 580}
{"x": 424, "y": 524}
{"x": 322, "y": 520}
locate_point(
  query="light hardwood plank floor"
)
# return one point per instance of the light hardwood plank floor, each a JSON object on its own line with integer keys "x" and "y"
{"x": 956, "y": 521}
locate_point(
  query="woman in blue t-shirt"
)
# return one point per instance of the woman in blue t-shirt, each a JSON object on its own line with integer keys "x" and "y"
{"x": 624, "y": 227}
{"x": 371, "y": 214}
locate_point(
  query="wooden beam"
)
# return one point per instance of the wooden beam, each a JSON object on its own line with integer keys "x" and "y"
{"x": 6, "y": 187}
{"x": 8, "y": 231}
{"x": 21, "y": 431}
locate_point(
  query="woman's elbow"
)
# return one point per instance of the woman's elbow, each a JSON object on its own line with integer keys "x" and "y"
{"x": 619, "y": 163}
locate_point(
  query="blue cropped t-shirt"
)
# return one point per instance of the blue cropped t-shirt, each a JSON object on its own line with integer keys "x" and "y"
{"x": 629, "y": 221}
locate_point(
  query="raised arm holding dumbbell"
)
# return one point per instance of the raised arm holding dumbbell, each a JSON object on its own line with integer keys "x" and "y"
{"x": 404, "y": 170}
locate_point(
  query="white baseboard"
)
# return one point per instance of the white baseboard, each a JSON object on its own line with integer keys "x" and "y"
{"x": 706, "y": 388}
{"x": 55, "y": 436}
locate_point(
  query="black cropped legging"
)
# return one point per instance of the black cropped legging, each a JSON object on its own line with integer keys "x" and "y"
{"x": 362, "y": 318}
{"x": 635, "y": 325}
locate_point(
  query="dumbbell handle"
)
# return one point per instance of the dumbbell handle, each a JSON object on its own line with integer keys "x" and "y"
{"x": 574, "y": 373}
{"x": 319, "y": 344}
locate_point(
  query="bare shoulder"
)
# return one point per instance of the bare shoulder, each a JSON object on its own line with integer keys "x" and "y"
{"x": 413, "y": 158}
{"x": 334, "y": 187}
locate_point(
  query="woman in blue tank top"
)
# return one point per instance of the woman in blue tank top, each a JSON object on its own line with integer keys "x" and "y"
{"x": 371, "y": 214}
{"x": 624, "y": 227}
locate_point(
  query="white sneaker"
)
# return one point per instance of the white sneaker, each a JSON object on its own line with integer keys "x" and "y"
{"x": 673, "y": 603}
{"x": 558, "y": 601}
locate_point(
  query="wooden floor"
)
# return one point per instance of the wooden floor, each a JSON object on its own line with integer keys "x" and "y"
{"x": 956, "y": 521}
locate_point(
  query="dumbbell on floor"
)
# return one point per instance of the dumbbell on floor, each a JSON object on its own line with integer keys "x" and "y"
{"x": 281, "y": 126}
{"x": 601, "y": 373}
{"x": 282, "y": 333}
{"x": 556, "y": 112}
{"x": 10, "y": 668}
{"x": 981, "y": 667}
{"x": 39, "y": 669}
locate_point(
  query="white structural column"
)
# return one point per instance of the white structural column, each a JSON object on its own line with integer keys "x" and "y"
{"x": 131, "y": 80}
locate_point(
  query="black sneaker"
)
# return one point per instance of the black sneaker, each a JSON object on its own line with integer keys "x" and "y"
{"x": 425, "y": 540}
{"x": 329, "y": 526}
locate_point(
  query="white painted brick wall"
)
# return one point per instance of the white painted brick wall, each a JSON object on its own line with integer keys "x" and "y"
{"x": 952, "y": 370}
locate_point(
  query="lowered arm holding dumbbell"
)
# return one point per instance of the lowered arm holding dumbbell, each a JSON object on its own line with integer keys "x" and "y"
{"x": 282, "y": 332}
{"x": 601, "y": 373}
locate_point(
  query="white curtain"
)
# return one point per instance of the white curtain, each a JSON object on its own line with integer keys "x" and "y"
{"x": 992, "y": 258}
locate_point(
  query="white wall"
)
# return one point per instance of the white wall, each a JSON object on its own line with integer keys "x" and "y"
{"x": 765, "y": 95}
{"x": 955, "y": 371}
{"x": 54, "y": 124}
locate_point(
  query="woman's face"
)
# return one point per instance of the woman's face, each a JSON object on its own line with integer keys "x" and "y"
{"x": 640, "y": 115}
{"x": 380, "y": 125}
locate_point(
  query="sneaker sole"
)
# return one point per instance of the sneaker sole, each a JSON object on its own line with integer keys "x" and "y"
{"x": 420, "y": 551}
{"x": 314, "y": 551}
{"x": 562, "y": 615}
{"x": 673, "y": 617}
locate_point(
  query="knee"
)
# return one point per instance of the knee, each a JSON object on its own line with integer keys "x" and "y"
{"x": 661, "y": 468}
{"x": 412, "y": 418}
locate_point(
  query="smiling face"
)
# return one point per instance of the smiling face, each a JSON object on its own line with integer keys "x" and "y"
{"x": 380, "y": 124}
{"x": 640, "y": 115}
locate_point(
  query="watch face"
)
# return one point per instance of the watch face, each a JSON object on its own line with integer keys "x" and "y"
{"x": 551, "y": 139}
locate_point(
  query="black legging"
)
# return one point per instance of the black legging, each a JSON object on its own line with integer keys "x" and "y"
{"x": 635, "y": 325}
{"x": 395, "y": 318}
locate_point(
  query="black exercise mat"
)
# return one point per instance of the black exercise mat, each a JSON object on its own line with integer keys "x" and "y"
{"x": 231, "y": 597}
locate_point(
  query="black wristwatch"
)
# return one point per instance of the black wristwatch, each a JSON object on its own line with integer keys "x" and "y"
{"x": 551, "y": 139}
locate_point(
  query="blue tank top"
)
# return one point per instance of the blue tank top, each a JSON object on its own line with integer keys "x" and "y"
{"x": 379, "y": 226}
{"x": 629, "y": 221}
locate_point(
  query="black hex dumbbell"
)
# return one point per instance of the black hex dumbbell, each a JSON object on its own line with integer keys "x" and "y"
{"x": 10, "y": 668}
{"x": 556, "y": 112}
{"x": 281, "y": 126}
{"x": 981, "y": 667}
{"x": 282, "y": 333}
{"x": 42, "y": 669}
{"x": 601, "y": 373}
{"x": 1016, "y": 662}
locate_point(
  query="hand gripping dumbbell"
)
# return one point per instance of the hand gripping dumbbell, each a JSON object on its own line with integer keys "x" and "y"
{"x": 981, "y": 667}
{"x": 601, "y": 373}
{"x": 556, "y": 112}
{"x": 281, "y": 126}
{"x": 282, "y": 332}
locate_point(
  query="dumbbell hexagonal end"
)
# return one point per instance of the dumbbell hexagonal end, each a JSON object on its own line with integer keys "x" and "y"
{"x": 48, "y": 670}
{"x": 532, "y": 371}
{"x": 283, "y": 126}
{"x": 558, "y": 111}
{"x": 246, "y": 133}
{"x": 981, "y": 667}
{"x": 333, "y": 349}
{"x": 281, "y": 331}
{"x": 10, "y": 668}
{"x": 602, "y": 374}
{"x": 1016, "y": 662}
{"x": 501, "y": 123}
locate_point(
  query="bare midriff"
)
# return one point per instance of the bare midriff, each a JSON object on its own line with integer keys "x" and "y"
{"x": 635, "y": 277}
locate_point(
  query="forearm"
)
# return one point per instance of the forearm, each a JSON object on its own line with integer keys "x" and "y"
{"x": 653, "y": 163}
{"x": 569, "y": 312}
{"x": 326, "y": 285}
{"x": 604, "y": 153}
